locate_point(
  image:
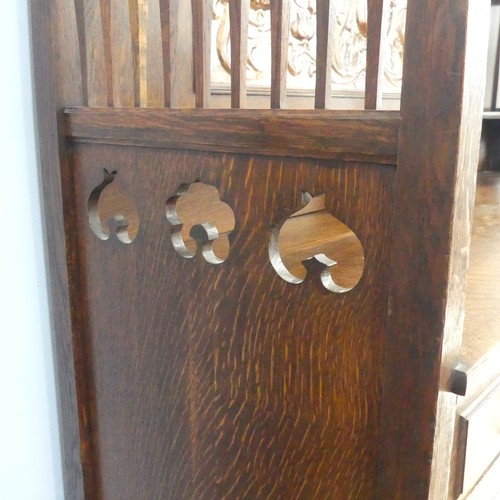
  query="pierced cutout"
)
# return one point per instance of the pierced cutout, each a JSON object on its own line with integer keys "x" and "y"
{"x": 108, "y": 202}
{"x": 313, "y": 233}
{"x": 200, "y": 220}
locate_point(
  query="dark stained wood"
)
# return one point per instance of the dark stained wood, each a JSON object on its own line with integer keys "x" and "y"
{"x": 94, "y": 52}
{"x": 238, "y": 11}
{"x": 202, "y": 19}
{"x": 224, "y": 381}
{"x": 67, "y": 64}
{"x": 280, "y": 27}
{"x": 133, "y": 10}
{"x": 62, "y": 249}
{"x": 438, "y": 152}
{"x": 325, "y": 12}
{"x": 82, "y": 44}
{"x": 169, "y": 16}
{"x": 105, "y": 7}
{"x": 374, "y": 53}
{"x": 182, "y": 379}
{"x": 313, "y": 134}
{"x": 123, "y": 52}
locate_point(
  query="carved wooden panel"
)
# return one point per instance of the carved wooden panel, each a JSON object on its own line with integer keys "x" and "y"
{"x": 226, "y": 381}
{"x": 348, "y": 52}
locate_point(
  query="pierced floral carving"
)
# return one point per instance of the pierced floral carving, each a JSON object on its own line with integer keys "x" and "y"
{"x": 349, "y": 45}
{"x": 200, "y": 220}
{"x": 313, "y": 233}
{"x": 108, "y": 203}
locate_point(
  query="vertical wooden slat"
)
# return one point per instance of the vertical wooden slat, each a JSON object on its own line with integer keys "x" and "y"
{"x": 122, "y": 60}
{"x": 202, "y": 20}
{"x": 280, "y": 27}
{"x": 325, "y": 14}
{"x": 154, "y": 66}
{"x": 441, "y": 110}
{"x": 105, "y": 8}
{"x": 374, "y": 53}
{"x": 169, "y": 19}
{"x": 66, "y": 34}
{"x": 94, "y": 59}
{"x": 238, "y": 13}
{"x": 82, "y": 45}
{"x": 133, "y": 8}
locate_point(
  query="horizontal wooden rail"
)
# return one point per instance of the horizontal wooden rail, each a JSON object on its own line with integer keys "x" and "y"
{"x": 349, "y": 136}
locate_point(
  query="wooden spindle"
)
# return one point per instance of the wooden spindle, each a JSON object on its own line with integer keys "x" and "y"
{"x": 280, "y": 27}
{"x": 325, "y": 14}
{"x": 133, "y": 9}
{"x": 169, "y": 18}
{"x": 374, "y": 53}
{"x": 202, "y": 21}
{"x": 238, "y": 14}
{"x": 105, "y": 7}
{"x": 82, "y": 47}
{"x": 95, "y": 59}
{"x": 122, "y": 54}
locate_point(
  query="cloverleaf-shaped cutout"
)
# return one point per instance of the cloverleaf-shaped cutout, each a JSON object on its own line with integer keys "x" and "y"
{"x": 200, "y": 220}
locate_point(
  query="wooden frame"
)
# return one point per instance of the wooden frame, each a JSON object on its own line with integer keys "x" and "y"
{"x": 438, "y": 139}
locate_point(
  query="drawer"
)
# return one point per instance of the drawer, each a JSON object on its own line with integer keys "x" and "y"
{"x": 478, "y": 440}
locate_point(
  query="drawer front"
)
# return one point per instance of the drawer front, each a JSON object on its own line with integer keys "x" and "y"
{"x": 479, "y": 436}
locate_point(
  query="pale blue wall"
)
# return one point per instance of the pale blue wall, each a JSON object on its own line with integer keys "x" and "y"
{"x": 29, "y": 443}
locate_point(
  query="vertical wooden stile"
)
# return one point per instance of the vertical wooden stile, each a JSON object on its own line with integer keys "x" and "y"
{"x": 238, "y": 12}
{"x": 105, "y": 7}
{"x": 324, "y": 32}
{"x": 280, "y": 27}
{"x": 133, "y": 9}
{"x": 374, "y": 53}
{"x": 202, "y": 20}
{"x": 441, "y": 109}
{"x": 169, "y": 13}
{"x": 49, "y": 39}
{"x": 82, "y": 46}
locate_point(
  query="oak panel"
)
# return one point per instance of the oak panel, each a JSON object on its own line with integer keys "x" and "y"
{"x": 225, "y": 381}
{"x": 312, "y": 134}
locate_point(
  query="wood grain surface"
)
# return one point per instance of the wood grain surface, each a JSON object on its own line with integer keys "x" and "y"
{"x": 482, "y": 322}
{"x": 202, "y": 25}
{"x": 225, "y": 381}
{"x": 169, "y": 17}
{"x": 320, "y": 134}
{"x": 436, "y": 173}
{"x": 61, "y": 246}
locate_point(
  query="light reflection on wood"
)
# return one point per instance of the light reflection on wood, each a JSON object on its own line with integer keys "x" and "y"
{"x": 313, "y": 232}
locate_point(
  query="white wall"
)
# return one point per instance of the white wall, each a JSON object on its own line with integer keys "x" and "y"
{"x": 29, "y": 443}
